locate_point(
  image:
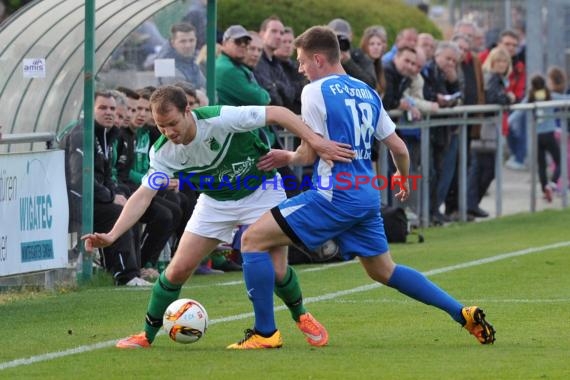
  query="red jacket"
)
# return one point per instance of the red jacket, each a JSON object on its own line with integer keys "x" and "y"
{"x": 517, "y": 81}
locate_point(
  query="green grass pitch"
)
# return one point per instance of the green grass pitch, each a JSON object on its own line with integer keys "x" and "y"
{"x": 516, "y": 268}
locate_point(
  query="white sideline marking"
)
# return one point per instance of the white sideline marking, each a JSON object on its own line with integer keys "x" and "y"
{"x": 481, "y": 300}
{"x": 110, "y": 343}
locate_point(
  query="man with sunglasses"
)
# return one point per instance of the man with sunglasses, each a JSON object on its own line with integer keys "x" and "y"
{"x": 235, "y": 83}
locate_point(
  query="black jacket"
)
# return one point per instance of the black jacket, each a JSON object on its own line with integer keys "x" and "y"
{"x": 396, "y": 84}
{"x": 270, "y": 76}
{"x": 125, "y": 155}
{"x": 104, "y": 189}
{"x": 291, "y": 70}
{"x": 436, "y": 83}
{"x": 361, "y": 67}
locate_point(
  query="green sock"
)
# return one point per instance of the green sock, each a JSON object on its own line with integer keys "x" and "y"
{"x": 289, "y": 290}
{"x": 163, "y": 294}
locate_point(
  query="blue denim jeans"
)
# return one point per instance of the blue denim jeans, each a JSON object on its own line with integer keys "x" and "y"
{"x": 480, "y": 174}
{"x": 448, "y": 167}
{"x": 516, "y": 139}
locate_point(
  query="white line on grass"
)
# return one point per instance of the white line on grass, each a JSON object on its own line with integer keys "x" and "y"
{"x": 363, "y": 288}
{"x": 234, "y": 282}
{"x": 480, "y": 300}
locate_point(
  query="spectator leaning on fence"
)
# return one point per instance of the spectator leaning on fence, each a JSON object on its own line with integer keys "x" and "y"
{"x": 481, "y": 173}
{"x": 516, "y": 135}
{"x": 470, "y": 74}
{"x": 442, "y": 86}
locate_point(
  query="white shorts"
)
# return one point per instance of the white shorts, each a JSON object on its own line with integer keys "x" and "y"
{"x": 217, "y": 219}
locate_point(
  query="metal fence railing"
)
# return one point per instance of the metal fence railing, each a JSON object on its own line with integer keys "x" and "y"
{"x": 23, "y": 138}
{"x": 462, "y": 117}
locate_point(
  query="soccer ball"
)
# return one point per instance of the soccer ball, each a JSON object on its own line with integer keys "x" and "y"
{"x": 327, "y": 251}
{"x": 185, "y": 320}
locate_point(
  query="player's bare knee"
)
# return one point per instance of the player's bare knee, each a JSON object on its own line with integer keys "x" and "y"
{"x": 247, "y": 241}
{"x": 179, "y": 273}
{"x": 251, "y": 241}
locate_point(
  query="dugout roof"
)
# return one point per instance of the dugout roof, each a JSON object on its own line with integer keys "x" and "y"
{"x": 54, "y": 30}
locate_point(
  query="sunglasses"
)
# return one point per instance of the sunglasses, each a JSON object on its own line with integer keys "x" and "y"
{"x": 241, "y": 41}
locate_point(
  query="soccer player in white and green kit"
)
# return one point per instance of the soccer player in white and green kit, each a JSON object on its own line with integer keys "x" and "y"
{"x": 213, "y": 149}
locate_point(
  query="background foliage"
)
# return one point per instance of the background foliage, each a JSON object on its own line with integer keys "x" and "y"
{"x": 394, "y": 15}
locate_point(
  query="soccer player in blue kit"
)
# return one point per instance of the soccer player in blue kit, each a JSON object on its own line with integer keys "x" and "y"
{"x": 345, "y": 110}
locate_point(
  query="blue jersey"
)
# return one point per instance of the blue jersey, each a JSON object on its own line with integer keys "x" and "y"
{"x": 347, "y": 110}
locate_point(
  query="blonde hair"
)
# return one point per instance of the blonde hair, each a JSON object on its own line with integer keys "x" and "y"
{"x": 496, "y": 54}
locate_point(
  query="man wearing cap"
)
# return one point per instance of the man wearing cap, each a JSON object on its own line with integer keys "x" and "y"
{"x": 235, "y": 83}
{"x": 353, "y": 61}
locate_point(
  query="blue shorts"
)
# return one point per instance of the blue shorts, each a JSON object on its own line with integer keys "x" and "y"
{"x": 309, "y": 220}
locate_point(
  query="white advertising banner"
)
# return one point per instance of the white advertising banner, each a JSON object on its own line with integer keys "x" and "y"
{"x": 33, "y": 212}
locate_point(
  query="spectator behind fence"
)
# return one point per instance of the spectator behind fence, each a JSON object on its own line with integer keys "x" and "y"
{"x": 202, "y": 57}
{"x": 374, "y": 43}
{"x": 254, "y": 50}
{"x": 398, "y": 73}
{"x": 442, "y": 86}
{"x": 427, "y": 43}
{"x": 197, "y": 16}
{"x": 470, "y": 76}
{"x": 415, "y": 95}
{"x": 354, "y": 61}
{"x": 182, "y": 48}
{"x": 291, "y": 67}
{"x": 516, "y": 134}
{"x": 119, "y": 258}
{"x": 268, "y": 71}
{"x": 556, "y": 81}
{"x": 235, "y": 83}
{"x": 406, "y": 37}
{"x": 496, "y": 70}
{"x": 545, "y": 130}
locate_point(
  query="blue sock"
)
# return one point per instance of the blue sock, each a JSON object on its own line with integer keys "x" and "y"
{"x": 259, "y": 277}
{"x": 414, "y": 284}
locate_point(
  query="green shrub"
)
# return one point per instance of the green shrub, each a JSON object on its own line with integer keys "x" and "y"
{"x": 394, "y": 15}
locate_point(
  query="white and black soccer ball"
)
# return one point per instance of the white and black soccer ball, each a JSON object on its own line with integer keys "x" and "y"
{"x": 327, "y": 251}
{"x": 185, "y": 320}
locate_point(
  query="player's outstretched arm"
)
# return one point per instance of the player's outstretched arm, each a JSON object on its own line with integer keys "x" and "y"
{"x": 328, "y": 150}
{"x": 401, "y": 159}
{"x": 132, "y": 212}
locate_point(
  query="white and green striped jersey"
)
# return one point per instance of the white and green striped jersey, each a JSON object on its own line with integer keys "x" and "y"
{"x": 221, "y": 160}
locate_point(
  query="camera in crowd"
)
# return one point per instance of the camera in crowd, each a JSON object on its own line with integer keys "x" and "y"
{"x": 343, "y": 42}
